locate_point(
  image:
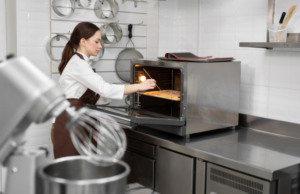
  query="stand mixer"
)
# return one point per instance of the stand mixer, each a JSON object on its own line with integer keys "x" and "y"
{"x": 29, "y": 96}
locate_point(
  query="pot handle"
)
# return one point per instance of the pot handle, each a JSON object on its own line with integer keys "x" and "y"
{"x": 130, "y": 26}
{"x": 130, "y": 30}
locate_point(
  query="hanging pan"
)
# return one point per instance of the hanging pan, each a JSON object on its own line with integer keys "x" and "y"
{"x": 106, "y": 9}
{"x": 55, "y": 7}
{"x": 123, "y": 61}
{"x": 58, "y": 37}
{"x": 118, "y": 33}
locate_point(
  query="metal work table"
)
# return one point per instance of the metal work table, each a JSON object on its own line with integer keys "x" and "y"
{"x": 257, "y": 153}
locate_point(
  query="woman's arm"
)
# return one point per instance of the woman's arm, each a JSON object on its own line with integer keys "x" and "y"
{"x": 86, "y": 76}
{"x": 81, "y": 72}
{"x": 146, "y": 85}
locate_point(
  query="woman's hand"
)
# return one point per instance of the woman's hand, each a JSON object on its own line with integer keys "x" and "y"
{"x": 148, "y": 84}
{"x": 145, "y": 85}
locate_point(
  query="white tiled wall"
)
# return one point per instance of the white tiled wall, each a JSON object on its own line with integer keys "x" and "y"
{"x": 270, "y": 82}
{"x": 2, "y": 30}
{"x": 152, "y": 29}
{"x": 128, "y": 14}
{"x": 178, "y": 26}
{"x": 33, "y": 31}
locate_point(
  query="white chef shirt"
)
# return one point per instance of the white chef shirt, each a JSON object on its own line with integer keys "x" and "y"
{"x": 78, "y": 76}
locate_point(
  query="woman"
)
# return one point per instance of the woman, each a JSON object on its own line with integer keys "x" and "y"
{"x": 82, "y": 85}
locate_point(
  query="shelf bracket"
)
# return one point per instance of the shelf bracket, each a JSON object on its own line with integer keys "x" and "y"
{"x": 271, "y": 11}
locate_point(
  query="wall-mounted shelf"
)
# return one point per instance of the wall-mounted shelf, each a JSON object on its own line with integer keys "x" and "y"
{"x": 270, "y": 45}
{"x": 292, "y": 43}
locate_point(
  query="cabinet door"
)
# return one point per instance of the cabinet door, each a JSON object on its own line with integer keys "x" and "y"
{"x": 173, "y": 172}
{"x": 142, "y": 169}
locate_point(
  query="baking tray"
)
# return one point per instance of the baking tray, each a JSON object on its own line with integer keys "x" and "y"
{"x": 142, "y": 93}
{"x": 198, "y": 60}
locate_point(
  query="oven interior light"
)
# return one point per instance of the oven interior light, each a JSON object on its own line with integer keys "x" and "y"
{"x": 143, "y": 78}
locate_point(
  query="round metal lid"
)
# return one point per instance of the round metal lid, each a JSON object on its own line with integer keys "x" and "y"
{"x": 123, "y": 63}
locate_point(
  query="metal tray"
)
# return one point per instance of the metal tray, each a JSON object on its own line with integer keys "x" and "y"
{"x": 156, "y": 96}
{"x": 198, "y": 60}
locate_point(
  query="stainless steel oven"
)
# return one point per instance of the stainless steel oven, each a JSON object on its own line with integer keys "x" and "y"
{"x": 208, "y": 97}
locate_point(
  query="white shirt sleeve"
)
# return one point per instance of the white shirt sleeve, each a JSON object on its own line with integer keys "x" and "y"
{"x": 84, "y": 74}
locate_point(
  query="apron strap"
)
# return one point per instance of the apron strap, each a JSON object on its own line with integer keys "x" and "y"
{"x": 89, "y": 97}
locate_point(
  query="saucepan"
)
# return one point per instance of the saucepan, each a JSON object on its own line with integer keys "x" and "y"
{"x": 82, "y": 175}
{"x": 118, "y": 32}
{"x": 56, "y": 5}
{"x": 106, "y": 9}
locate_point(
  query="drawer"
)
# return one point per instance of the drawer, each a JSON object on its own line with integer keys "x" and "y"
{"x": 142, "y": 147}
{"x": 142, "y": 169}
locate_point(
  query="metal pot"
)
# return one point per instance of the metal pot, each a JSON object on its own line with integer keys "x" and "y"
{"x": 103, "y": 13}
{"x": 49, "y": 45}
{"x": 81, "y": 175}
{"x": 118, "y": 33}
{"x": 55, "y": 7}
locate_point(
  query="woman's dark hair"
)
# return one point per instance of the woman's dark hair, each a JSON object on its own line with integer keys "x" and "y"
{"x": 82, "y": 30}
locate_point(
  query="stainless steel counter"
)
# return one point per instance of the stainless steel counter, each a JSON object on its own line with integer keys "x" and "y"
{"x": 264, "y": 155}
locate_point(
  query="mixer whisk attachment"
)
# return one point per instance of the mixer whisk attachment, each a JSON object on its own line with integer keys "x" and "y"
{"x": 96, "y": 135}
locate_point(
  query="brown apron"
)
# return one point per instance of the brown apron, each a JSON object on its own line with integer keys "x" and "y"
{"x": 62, "y": 143}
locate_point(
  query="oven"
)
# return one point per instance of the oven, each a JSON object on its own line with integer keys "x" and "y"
{"x": 203, "y": 97}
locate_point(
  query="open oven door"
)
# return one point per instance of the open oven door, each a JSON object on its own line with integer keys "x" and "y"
{"x": 132, "y": 117}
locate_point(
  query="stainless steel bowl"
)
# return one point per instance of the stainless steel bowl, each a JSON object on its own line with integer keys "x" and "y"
{"x": 81, "y": 175}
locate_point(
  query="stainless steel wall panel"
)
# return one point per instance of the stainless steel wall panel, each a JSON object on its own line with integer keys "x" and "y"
{"x": 269, "y": 125}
